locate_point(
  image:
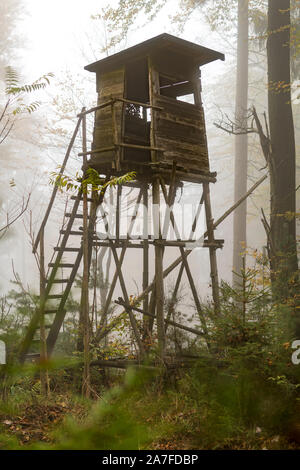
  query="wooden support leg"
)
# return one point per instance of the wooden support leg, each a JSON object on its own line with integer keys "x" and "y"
{"x": 174, "y": 295}
{"x": 145, "y": 250}
{"x": 186, "y": 265}
{"x": 115, "y": 278}
{"x": 159, "y": 283}
{"x": 126, "y": 298}
{"x": 212, "y": 249}
{"x": 122, "y": 282}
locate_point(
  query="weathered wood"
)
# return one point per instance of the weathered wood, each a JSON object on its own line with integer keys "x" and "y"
{"x": 174, "y": 296}
{"x": 24, "y": 347}
{"x": 138, "y": 103}
{"x": 212, "y": 249}
{"x": 169, "y": 322}
{"x": 121, "y": 259}
{"x": 142, "y": 147}
{"x": 108, "y": 127}
{"x": 95, "y": 108}
{"x": 159, "y": 285}
{"x": 145, "y": 246}
{"x": 100, "y": 150}
{"x": 186, "y": 265}
{"x": 60, "y": 265}
{"x": 67, "y": 249}
{"x": 120, "y": 244}
{"x": 184, "y": 243}
{"x": 125, "y": 294}
{"x": 175, "y": 263}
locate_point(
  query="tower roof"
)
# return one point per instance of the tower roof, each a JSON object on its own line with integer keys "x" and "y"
{"x": 164, "y": 44}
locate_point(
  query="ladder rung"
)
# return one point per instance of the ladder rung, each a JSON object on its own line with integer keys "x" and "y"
{"x": 77, "y": 216}
{"x": 72, "y": 232}
{"x": 71, "y": 250}
{"x": 74, "y": 198}
{"x": 31, "y": 355}
{"x": 47, "y": 327}
{"x": 61, "y": 265}
{"x": 51, "y": 311}
{"x": 59, "y": 281}
{"x": 54, "y": 296}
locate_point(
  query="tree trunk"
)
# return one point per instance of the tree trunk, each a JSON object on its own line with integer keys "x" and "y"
{"x": 241, "y": 141}
{"x": 282, "y": 164}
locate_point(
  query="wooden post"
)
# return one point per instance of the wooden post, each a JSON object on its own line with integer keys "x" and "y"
{"x": 159, "y": 282}
{"x": 186, "y": 265}
{"x": 119, "y": 193}
{"x": 121, "y": 259}
{"x": 151, "y": 287}
{"x": 212, "y": 249}
{"x": 208, "y": 213}
{"x": 85, "y": 278}
{"x": 115, "y": 135}
{"x": 174, "y": 296}
{"x": 43, "y": 341}
{"x": 145, "y": 250}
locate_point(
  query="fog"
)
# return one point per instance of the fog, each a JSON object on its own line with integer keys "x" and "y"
{"x": 60, "y": 37}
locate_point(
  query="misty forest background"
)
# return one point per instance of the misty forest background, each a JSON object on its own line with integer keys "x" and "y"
{"x": 240, "y": 389}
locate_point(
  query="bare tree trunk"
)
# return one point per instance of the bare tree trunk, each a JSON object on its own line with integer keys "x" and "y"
{"x": 282, "y": 164}
{"x": 241, "y": 141}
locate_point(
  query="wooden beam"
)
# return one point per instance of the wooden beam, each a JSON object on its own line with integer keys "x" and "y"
{"x": 169, "y": 322}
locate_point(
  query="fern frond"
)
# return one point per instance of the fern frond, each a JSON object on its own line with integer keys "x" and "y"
{"x": 119, "y": 180}
{"x": 12, "y": 78}
{"x": 27, "y": 108}
{"x": 13, "y": 87}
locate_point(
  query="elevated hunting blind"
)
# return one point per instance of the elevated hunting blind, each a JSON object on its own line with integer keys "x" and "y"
{"x": 152, "y": 109}
{"x": 149, "y": 119}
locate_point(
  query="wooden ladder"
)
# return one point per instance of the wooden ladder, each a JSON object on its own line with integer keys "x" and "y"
{"x": 57, "y": 313}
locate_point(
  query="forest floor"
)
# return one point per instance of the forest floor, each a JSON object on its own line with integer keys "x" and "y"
{"x": 36, "y": 423}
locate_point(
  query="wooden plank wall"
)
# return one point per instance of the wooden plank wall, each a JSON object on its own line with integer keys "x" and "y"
{"x": 180, "y": 130}
{"x": 109, "y": 85}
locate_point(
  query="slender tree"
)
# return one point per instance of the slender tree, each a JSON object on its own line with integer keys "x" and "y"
{"x": 241, "y": 140}
{"x": 282, "y": 164}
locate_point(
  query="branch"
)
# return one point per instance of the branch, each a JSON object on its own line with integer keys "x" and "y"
{"x": 264, "y": 140}
{"x": 11, "y": 222}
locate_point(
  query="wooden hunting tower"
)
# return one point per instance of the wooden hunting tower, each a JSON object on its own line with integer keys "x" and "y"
{"x": 156, "y": 113}
{"x": 149, "y": 119}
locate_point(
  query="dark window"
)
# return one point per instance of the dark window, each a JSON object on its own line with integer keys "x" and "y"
{"x": 137, "y": 121}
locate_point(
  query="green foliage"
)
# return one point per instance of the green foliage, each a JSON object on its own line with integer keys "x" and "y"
{"x": 92, "y": 181}
{"x": 17, "y": 307}
{"x": 15, "y": 104}
{"x": 13, "y": 88}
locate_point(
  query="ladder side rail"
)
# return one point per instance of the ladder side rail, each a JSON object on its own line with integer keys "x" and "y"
{"x": 54, "y": 192}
